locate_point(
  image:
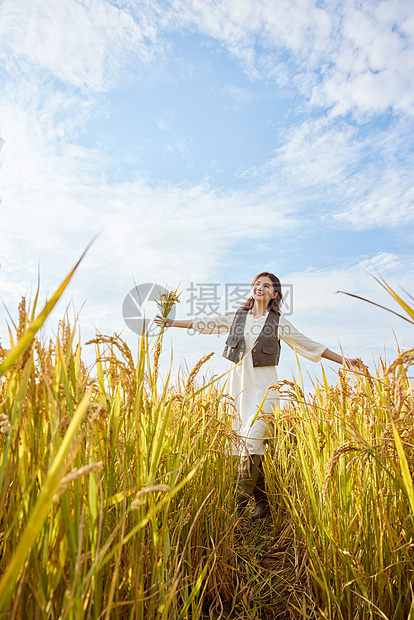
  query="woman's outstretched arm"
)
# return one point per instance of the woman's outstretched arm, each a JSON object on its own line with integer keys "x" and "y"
{"x": 339, "y": 359}
{"x": 311, "y": 349}
{"x": 166, "y": 322}
{"x": 203, "y": 325}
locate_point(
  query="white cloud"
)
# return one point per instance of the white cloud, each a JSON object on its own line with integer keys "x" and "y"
{"x": 349, "y": 57}
{"x": 372, "y": 67}
{"x": 316, "y": 288}
{"x": 240, "y": 24}
{"x": 178, "y": 143}
{"x": 384, "y": 262}
{"x": 86, "y": 45}
{"x": 352, "y": 176}
{"x": 241, "y": 96}
{"x": 390, "y": 204}
{"x": 318, "y": 153}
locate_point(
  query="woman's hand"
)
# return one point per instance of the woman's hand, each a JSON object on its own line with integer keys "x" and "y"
{"x": 161, "y": 321}
{"x": 355, "y": 364}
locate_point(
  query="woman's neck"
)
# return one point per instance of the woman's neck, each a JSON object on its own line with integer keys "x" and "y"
{"x": 259, "y": 309}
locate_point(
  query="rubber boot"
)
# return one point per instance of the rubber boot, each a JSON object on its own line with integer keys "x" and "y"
{"x": 248, "y": 475}
{"x": 261, "y": 509}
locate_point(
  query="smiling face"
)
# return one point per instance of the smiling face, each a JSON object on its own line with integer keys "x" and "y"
{"x": 263, "y": 290}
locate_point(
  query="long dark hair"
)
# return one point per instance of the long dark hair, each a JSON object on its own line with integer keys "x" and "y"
{"x": 274, "y": 304}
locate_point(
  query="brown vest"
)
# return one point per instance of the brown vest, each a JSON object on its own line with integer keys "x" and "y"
{"x": 266, "y": 349}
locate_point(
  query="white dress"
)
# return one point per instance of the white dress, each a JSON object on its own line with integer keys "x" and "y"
{"x": 248, "y": 385}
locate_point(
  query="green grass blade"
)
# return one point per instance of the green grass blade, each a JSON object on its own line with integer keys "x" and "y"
{"x": 405, "y": 470}
{"x": 27, "y": 338}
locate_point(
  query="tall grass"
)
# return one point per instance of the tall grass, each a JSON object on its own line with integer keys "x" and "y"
{"x": 341, "y": 463}
{"x": 107, "y": 490}
{"x": 116, "y": 498}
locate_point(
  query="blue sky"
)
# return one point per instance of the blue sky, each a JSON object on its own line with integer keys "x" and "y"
{"x": 207, "y": 141}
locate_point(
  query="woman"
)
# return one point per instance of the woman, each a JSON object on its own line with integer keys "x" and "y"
{"x": 253, "y": 346}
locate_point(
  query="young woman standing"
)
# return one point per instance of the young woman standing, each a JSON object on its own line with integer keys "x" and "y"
{"x": 253, "y": 347}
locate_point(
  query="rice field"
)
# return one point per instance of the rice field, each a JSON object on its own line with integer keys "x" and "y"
{"x": 116, "y": 490}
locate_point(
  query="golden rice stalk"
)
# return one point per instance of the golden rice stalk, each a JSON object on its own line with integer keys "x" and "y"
{"x": 407, "y": 357}
{"x": 3, "y": 352}
{"x": 166, "y": 304}
{"x": 66, "y": 334}
{"x": 334, "y": 458}
{"x": 125, "y": 368}
{"x": 22, "y": 318}
{"x": 292, "y": 391}
{"x": 139, "y": 501}
{"x": 196, "y": 369}
{"x": 21, "y": 329}
{"x": 167, "y": 301}
{"x": 4, "y": 424}
{"x": 156, "y": 361}
{"x": 77, "y": 473}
